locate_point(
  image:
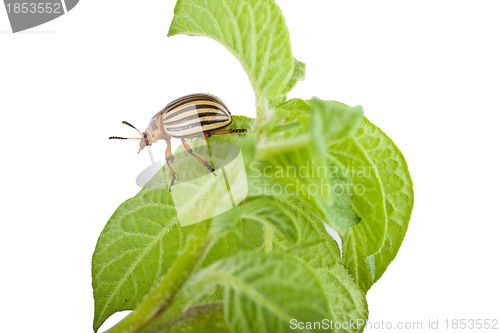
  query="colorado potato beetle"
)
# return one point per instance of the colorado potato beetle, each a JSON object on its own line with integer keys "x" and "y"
{"x": 191, "y": 116}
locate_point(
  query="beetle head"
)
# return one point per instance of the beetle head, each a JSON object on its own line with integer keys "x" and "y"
{"x": 144, "y": 141}
{"x": 144, "y": 138}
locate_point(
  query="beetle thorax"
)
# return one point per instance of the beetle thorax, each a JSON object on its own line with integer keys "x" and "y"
{"x": 155, "y": 130}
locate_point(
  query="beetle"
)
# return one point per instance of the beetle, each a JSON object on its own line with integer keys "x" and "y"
{"x": 192, "y": 116}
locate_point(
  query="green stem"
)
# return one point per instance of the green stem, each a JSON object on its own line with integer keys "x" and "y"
{"x": 268, "y": 238}
{"x": 165, "y": 292}
{"x": 192, "y": 314}
{"x": 262, "y": 110}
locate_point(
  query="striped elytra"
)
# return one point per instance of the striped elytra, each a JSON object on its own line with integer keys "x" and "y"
{"x": 195, "y": 114}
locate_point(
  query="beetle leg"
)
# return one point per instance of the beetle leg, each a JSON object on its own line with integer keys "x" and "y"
{"x": 168, "y": 153}
{"x": 202, "y": 161}
{"x": 173, "y": 176}
{"x": 229, "y": 131}
{"x": 170, "y": 158}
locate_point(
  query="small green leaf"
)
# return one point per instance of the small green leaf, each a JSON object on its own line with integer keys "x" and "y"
{"x": 327, "y": 121}
{"x": 333, "y": 121}
{"x": 299, "y": 74}
{"x": 264, "y": 291}
{"x": 288, "y": 119}
{"x": 398, "y": 199}
{"x": 254, "y": 31}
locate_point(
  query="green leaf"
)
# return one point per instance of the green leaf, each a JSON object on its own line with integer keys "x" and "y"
{"x": 315, "y": 246}
{"x": 288, "y": 119}
{"x": 333, "y": 121}
{"x": 327, "y": 121}
{"x": 254, "y": 31}
{"x": 299, "y": 74}
{"x": 341, "y": 210}
{"x": 398, "y": 199}
{"x": 153, "y": 307}
{"x": 296, "y": 158}
{"x": 246, "y": 224}
{"x": 367, "y": 199}
{"x": 289, "y": 168}
{"x": 264, "y": 291}
{"x": 133, "y": 252}
{"x": 347, "y": 302}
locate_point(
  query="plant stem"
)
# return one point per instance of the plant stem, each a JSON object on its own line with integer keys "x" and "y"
{"x": 262, "y": 105}
{"x": 167, "y": 289}
{"x": 197, "y": 312}
{"x": 268, "y": 238}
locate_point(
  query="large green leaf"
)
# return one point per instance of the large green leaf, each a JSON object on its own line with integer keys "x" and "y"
{"x": 320, "y": 251}
{"x": 134, "y": 250}
{"x": 367, "y": 199}
{"x": 397, "y": 188}
{"x": 254, "y": 31}
{"x": 264, "y": 291}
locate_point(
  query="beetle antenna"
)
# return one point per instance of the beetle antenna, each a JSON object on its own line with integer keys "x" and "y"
{"x": 129, "y": 124}
{"x": 120, "y": 138}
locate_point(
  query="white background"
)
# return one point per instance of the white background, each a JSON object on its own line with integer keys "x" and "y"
{"x": 426, "y": 72}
